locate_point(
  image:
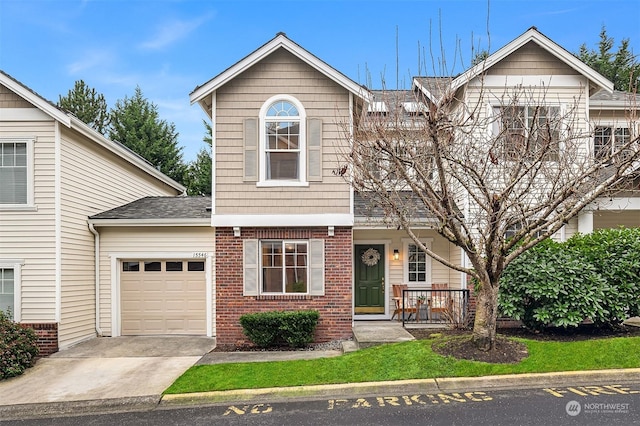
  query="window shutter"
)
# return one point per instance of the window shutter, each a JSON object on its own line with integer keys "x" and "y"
{"x": 250, "y": 267}
{"x": 314, "y": 149}
{"x": 250, "y": 150}
{"x": 316, "y": 267}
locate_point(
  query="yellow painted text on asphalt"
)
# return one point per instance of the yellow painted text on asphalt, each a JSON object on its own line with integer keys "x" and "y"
{"x": 591, "y": 390}
{"x": 407, "y": 400}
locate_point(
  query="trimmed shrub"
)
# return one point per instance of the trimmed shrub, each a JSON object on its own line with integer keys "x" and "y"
{"x": 274, "y": 328}
{"x": 594, "y": 276}
{"x": 18, "y": 348}
{"x": 297, "y": 327}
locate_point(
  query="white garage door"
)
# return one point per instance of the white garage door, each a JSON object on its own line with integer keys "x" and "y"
{"x": 162, "y": 297}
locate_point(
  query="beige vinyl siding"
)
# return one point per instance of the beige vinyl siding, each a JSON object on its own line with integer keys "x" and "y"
{"x": 30, "y": 235}
{"x": 9, "y": 99}
{"x": 280, "y": 73}
{"x": 99, "y": 182}
{"x": 615, "y": 219}
{"x": 439, "y": 272}
{"x": 531, "y": 59}
{"x": 140, "y": 241}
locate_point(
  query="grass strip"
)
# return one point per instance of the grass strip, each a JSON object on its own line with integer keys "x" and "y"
{"x": 409, "y": 360}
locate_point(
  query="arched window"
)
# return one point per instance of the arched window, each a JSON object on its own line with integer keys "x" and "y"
{"x": 282, "y": 141}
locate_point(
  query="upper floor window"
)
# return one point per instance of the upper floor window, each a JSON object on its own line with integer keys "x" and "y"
{"x": 609, "y": 139}
{"x": 282, "y": 142}
{"x": 528, "y": 131}
{"x": 14, "y": 172}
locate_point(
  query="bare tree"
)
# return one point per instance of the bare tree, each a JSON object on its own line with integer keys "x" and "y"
{"x": 495, "y": 180}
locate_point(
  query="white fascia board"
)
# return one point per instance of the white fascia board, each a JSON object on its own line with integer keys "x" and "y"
{"x": 615, "y": 203}
{"x": 281, "y": 220}
{"x": 279, "y": 41}
{"x": 424, "y": 90}
{"x": 149, "y": 222}
{"x": 124, "y": 153}
{"x": 541, "y": 40}
{"x": 35, "y": 99}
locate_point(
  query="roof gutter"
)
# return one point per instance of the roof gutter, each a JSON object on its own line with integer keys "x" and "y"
{"x": 151, "y": 222}
{"x": 96, "y": 239}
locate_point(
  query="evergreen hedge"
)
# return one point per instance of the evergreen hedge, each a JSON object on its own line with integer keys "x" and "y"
{"x": 594, "y": 277}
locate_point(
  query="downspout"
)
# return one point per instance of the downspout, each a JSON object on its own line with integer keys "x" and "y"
{"x": 96, "y": 239}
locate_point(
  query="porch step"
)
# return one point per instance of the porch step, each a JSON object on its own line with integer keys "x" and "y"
{"x": 349, "y": 346}
{"x": 373, "y": 333}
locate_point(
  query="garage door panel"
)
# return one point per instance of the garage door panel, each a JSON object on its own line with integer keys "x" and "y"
{"x": 161, "y": 302}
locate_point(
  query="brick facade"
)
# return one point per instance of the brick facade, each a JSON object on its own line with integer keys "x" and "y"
{"x": 335, "y": 307}
{"x": 47, "y": 337}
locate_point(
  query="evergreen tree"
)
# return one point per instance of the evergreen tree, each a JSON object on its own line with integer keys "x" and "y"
{"x": 620, "y": 67}
{"x": 135, "y": 123}
{"x": 88, "y": 105}
{"x": 198, "y": 180}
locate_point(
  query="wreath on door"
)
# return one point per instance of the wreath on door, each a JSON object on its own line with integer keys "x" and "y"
{"x": 371, "y": 257}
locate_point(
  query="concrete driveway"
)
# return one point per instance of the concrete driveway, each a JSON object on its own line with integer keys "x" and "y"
{"x": 117, "y": 368}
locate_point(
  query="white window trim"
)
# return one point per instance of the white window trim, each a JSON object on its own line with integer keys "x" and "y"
{"x": 262, "y": 143}
{"x": 30, "y": 205}
{"x": 260, "y": 266}
{"x": 561, "y": 112}
{"x": 613, "y": 125}
{"x": 428, "y": 242}
{"x": 16, "y": 265}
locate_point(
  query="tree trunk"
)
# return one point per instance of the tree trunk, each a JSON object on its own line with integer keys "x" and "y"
{"x": 484, "y": 326}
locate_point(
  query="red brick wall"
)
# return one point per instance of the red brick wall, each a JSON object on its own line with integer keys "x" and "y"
{"x": 334, "y": 307}
{"x": 47, "y": 337}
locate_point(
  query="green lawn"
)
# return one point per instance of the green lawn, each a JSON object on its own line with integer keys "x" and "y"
{"x": 410, "y": 360}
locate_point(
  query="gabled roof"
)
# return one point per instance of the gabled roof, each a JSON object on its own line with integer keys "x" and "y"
{"x": 72, "y": 122}
{"x": 32, "y": 97}
{"x": 280, "y": 41}
{"x": 532, "y": 34}
{"x": 158, "y": 210}
{"x": 614, "y": 100}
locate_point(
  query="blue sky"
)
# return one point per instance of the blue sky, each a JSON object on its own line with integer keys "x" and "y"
{"x": 168, "y": 47}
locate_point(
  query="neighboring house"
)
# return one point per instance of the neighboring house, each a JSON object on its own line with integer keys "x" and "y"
{"x": 283, "y": 229}
{"x": 55, "y": 171}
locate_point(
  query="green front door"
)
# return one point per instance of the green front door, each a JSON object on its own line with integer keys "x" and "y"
{"x": 369, "y": 277}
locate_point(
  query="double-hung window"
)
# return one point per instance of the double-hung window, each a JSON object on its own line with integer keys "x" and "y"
{"x": 532, "y": 131}
{"x": 14, "y": 172}
{"x": 282, "y": 142}
{"x": 285, "y": 266}
{"x": 609, "y": 139}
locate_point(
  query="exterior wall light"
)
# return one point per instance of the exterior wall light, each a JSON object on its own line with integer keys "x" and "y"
{"x": 396, "y": 254}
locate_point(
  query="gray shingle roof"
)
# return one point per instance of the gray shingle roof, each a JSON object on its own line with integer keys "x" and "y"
{"x": 366, "y": 211}
{"x": 160, "y": 208}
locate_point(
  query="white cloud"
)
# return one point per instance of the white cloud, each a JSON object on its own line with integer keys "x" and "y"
{"x": 173, "y": 31}
{"x": 91, "y": 59}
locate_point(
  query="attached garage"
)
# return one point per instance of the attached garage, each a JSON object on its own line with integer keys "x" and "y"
{"x": 163, "y": 297}
{"x": 156, "y": 268}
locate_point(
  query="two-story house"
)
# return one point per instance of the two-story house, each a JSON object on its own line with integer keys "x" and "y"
{"x": 283, "y": 229}
{"x": 55, "y": 171}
